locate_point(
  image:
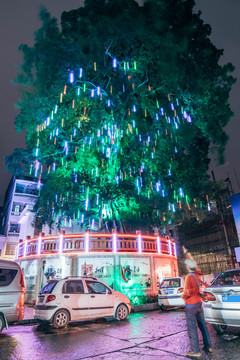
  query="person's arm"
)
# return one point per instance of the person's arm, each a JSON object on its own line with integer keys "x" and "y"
{"x": 186, "y": 293}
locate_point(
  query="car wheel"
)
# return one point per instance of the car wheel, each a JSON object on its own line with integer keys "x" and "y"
{"x": 122, "y": 312}
{"x": 220, "y": 329}
{"x": 163, "y": 307}
{"x": 60, "y": 319}
{"x": 2, "y": 323}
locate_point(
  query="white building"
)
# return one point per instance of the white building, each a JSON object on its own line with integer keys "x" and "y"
{"x": 17, "y": 216}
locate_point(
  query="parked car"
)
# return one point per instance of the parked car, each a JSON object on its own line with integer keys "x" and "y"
{"x": 12, "y": 293}
{"x": 79, "y": 298}
{"x": 221, "y": 301}
{"x": 169, "y": 293}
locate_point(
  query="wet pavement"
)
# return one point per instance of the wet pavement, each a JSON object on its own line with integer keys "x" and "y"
{"x": 143, "y": 336}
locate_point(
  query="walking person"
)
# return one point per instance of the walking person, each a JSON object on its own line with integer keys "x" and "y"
{"x": 194, "y": 311}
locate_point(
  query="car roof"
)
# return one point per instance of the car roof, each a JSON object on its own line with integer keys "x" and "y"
{"x": 9, "y": 264}
{"x": 80, "y": 277}
{"x": 73, "y": 278}
{"x": 237, "y": 269}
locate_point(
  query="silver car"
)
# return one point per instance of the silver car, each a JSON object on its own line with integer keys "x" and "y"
{"x": 221, "y": 301}
{"x": 12, "y": 293}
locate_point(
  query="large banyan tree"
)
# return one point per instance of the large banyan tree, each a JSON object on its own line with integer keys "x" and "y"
{"x": 121, "y": 107}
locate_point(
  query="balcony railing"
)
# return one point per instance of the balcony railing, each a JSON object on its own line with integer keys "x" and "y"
{"x": 13, "y": 213}
{"x": 25, "y": 195}
{"x": 95, "y": 242}
{"x": 13, "y": 233}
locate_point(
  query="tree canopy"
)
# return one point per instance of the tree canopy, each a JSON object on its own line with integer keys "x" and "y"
{"x": 120, "y": 107}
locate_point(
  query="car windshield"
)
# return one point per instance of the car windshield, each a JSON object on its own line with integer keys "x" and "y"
{"x": 173, "y": 283}
{"x": 48, "y": 288}
{"x": 228, "y": 278}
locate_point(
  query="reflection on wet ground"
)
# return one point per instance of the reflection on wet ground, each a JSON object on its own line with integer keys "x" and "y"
{"x": 150, "y": 335}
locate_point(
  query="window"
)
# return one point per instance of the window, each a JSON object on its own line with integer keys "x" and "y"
{"x": 10, "y": 248}
{"x": 16, "y": 208}
{"x": 26, "y": 189}
{"x": 7, "y": 276}
{"x": 73, "y": 287}
{"x": 95, "y": 287}
{"x": 14, "y": 228}
{"x": 48, "y": 288}
{"x": 170, "y": 283}
{"x": 228, "y": 278}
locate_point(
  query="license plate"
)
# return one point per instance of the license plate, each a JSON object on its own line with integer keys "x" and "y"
{"x": 168, "y": 292}
{"x": 230, "y": 298}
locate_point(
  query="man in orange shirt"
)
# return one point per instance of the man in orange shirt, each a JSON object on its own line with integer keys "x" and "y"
{"x": 194, "y": 310}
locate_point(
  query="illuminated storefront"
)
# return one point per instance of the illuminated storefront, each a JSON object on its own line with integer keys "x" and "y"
{"x": 132, "y": 264}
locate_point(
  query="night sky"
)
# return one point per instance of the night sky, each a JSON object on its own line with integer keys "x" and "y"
{"x": 18, "y": 22}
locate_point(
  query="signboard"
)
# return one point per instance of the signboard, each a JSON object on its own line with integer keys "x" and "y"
{"x": 30, "y": 271}
{"x": 237, "y": 252}
{"x": 235, "y": 202}
{"x": 56, "y": 268}
{"x": 135, "y": 273}
{"x": 100, "y": 268}
{"x": 164, "y": 269}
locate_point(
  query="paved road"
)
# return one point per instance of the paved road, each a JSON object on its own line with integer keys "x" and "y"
{"x": 144, "y": 336}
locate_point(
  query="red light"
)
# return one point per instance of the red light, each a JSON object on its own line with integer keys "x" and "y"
{"x": 22, "y": 282}
{"x": 207, "y": 296}
{"x": 180, "y": 290}
{"x": 50, "y": 298}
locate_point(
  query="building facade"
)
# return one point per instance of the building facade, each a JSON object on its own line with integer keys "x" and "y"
{"x": 17, "y": 215}
{"x": 134, "y": 264}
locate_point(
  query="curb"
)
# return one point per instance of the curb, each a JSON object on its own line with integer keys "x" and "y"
{"x": 27, "y": 321}
{"x": 145, "y": 307}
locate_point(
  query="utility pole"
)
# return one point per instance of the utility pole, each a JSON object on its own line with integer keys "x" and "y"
{"x": 220, "y": 211}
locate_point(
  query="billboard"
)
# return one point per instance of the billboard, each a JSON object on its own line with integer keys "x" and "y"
{"x": 101, "y": 268}
{"x": 235, "y": 202}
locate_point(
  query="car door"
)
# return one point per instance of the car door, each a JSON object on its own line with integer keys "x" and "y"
{"x": 101, "y": 299}
{"x": 75, "y": 299}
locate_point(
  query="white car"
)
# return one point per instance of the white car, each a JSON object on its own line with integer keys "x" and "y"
{"x": 169, "y": 293}
{"x": 221, "y": 302}
{"x": 79, "y": 298}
